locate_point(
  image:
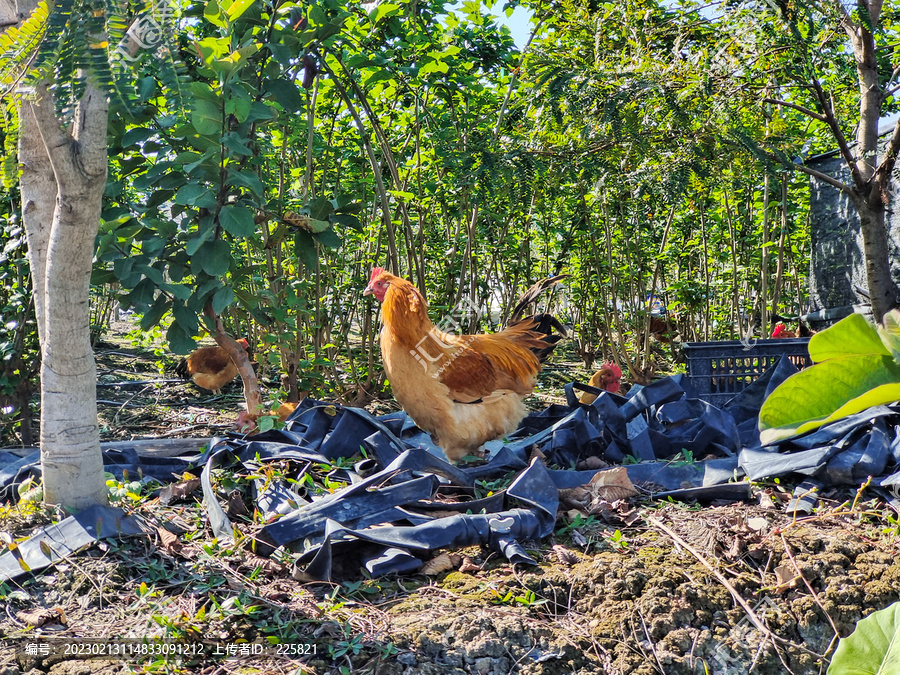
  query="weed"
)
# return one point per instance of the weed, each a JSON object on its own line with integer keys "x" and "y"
{"x": 617, "y": 541}
{"x": 526, "y": 599}
{"x": 577, "y": 523}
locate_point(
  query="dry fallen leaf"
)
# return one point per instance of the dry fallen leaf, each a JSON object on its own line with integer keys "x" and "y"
{"x": 757, "y": 524}
{"x": 469, "y": 566}
{"x": 441, "y": 563}
{"x": 612, "y": 485}
{"x": 785, "y": 575}
{"x": 564, "y": 555}
{"x": 39, "y": 616}
{"x": 168, "y": 540}
{"x": 178, "y": 491}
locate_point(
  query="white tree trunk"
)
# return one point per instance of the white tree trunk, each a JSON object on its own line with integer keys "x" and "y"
{"x": 62, "y": 184}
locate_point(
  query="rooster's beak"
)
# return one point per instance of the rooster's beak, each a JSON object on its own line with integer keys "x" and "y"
{"x": 368, "y": 291}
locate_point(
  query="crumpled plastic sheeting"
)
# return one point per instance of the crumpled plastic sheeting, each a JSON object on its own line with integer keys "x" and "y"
{"x": 501, "y": 530}
{"x": 66, "y": 537}
{"x": 396, "y": 503}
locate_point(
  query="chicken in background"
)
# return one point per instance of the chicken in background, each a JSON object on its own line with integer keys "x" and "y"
{"x": 609, "y": 377}
{"x": 210, "y": 367}
{"x": 464, "y": 390}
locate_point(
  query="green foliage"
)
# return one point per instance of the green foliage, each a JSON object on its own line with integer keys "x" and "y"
{"x": 856, "y": 367}
{"x": 264, "y": 156}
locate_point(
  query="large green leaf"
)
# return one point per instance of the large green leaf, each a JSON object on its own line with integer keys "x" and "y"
{"x": 826, "y": 392}
{"x": 852, "y": 335}
{"x": 873, "y": 648}
{"x": 179, "y": 341}
{"x": 237, "y": 220}
{"x": 213, "y": 257}
{"x": 305, "y": 247}
{"x": 286, "y": 93}
{"x": 889, "y": 332}
{"x": 237, "y": 8}
{"x": 207, "y": 117}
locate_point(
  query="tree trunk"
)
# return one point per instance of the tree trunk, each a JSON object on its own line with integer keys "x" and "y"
{"x": 882, "y": 290}
{"x": 62, "y": 184}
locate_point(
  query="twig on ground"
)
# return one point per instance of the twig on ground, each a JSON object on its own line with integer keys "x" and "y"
{"x": 754, "y": 619}
{"x": 815, "y": 596}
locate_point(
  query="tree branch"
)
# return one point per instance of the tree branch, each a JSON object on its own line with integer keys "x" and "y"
{"x": 798, "y": 108}
{"x": 874, "y": 9}
{"x": 55, "y": 139}
{"x": 835, "y": 128}
{"x": 90, "y": 131}
{"x": 825, "y": 178}
{"x": 886, "y": 168}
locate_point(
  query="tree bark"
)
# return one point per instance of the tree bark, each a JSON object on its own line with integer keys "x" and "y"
{"x": 62, "y": 184}
{"x": 240, "y": 358}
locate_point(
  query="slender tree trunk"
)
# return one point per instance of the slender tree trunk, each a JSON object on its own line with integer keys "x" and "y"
{"x": 62, "y": 184}
{"x": 882, "y": 290}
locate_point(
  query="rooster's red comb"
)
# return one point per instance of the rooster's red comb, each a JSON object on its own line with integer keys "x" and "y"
{"x": 376, "y": 272}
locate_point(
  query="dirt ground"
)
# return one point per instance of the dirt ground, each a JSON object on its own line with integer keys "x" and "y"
{"x": 644, "y": 587}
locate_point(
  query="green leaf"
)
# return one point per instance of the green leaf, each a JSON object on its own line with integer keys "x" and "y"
{"x": 239, "y": 107}
{"x": 177, "y": 290}
{"x": 222, "y": 299}
{"x": 382, "y": 10}
{"x": 207, "y": 117}
{"x": 211, "y": 13}
{"x": 326, "y": 30}
{"x": 156, "y": 311}
{"x": 237, "y": 8}
{"x": 179, "y": 341}
{"x": 137, "y": 135}
{"x": 286, "y": 93}
{"x": 347, "y": 219}
{"x": 434, "y": 67}
{"x": 843, "y": 386}
{"x": 873, "y": 648}
{"x": 889, "y": 332}
{"x": 378, "y": 76}
{"x": 237, "y": 144}
{"x": 194, "y": 243}
{"x": 185, "y": 317}
{"x": 328, "y": 238}
{"x": 319, "y": 208}
{"x": 305, "y": 247}
{"x": 247, "y": 179}
{"x": 159, "y": 197}
{"x": 852, "y": 335}
{"x": 194, "y": 194}
{"x": 213, "y": 257}
{"x": 237, "y": 220}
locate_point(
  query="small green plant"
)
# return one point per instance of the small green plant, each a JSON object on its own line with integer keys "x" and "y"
{"x": 893, "y": 528}
{"x": 683, "y": 458}
{"x": 617, "y": 540}
{"x": 526, "y": 599}
{"x": 351, "y": 646}
{"x": 124, "y": 490}
{"x": 577, "y": 523}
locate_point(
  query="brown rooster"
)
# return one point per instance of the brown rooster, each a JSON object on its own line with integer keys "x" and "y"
{"x": 464, "y": 390}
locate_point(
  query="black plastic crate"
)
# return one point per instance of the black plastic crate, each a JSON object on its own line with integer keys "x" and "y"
{"x": 719, "y": 370}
